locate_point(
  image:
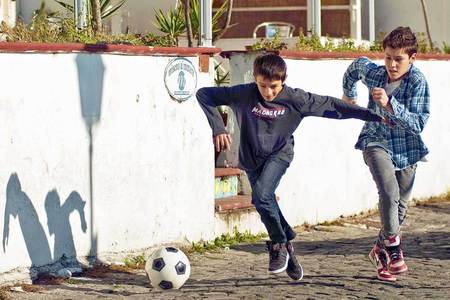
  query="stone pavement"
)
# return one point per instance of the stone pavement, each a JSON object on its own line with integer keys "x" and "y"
{"x": 334, "y": 258}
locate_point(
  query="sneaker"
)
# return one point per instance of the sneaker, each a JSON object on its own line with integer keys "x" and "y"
{"x": 294, "y": 268}
{"x": 278, "y": 256}
{"x": 395, "y": 261}
{"x": 378, "y": 257}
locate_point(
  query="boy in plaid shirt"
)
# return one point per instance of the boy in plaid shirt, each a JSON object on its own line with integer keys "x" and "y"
{"x": 399, "y": 91}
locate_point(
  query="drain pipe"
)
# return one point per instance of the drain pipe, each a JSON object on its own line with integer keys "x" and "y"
{"x": 314, "y": 17}
{"x": 80, "y": 11}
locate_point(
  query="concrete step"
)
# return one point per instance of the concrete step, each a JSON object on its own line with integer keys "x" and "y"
{"x": 221, "y": 172}
{"x": 227, "y": 204}
{"x": 238, "y": 202}
{"x": 236, "y": 213}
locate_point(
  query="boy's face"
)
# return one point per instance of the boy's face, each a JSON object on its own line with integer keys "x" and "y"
{"x": 397, "y": 62}
{"x": 268, "y": 89}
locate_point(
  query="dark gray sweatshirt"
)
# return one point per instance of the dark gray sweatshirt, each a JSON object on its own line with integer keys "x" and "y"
{"x": 267, "y": 126}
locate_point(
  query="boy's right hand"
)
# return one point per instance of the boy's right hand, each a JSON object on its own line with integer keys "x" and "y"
{"x": 349, "y": 100}
{"x": 222, "y": 142}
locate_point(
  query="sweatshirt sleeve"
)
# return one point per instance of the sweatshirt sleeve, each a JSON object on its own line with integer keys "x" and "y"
{"x": 211, "y": 97}
{"x": 310, "y": 104}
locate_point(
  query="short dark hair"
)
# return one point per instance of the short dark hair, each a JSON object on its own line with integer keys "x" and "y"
{"x": 401, "y": 38}
{"x": 270, "y": 66}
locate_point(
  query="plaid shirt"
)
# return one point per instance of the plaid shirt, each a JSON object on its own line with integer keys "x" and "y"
{"x": 410, "y": 103}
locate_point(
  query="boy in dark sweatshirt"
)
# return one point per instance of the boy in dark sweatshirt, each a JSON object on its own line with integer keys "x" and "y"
{"x": 267, "y": 113}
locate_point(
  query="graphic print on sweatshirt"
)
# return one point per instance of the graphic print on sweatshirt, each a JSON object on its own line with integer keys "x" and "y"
{"x": 267, "y": 113}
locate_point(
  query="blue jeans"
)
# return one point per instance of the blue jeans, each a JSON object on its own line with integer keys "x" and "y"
{"x": 264, "y": 182}
{"x": 394, "y": 189}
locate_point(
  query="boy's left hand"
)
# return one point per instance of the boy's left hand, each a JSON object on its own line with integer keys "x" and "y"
{"x": 381, "y": 98}
{"x": 222, "y": 142}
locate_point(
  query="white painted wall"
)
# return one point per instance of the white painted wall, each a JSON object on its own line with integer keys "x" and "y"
{"x": 328, "y": 177}
{"x": 150, "y": 166}
{"x": 152, "y": 180}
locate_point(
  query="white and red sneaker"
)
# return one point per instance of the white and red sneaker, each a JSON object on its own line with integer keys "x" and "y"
{"x": 395, "y": 261}
{"x": 378, "y": 257}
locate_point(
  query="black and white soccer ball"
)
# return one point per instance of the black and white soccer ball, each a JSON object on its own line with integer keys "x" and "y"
{"x": 168, "y": 268}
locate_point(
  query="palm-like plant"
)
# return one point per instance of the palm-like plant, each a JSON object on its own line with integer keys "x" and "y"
{"x": 176, "y": 22}
{"x": 195, "y": 17}
{"x": 172, "y": 24}
{"x": 107, "y": 8}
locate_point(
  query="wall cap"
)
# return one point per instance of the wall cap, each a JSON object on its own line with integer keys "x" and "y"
{"x": 322, "y": 55}
{"x": 18, "y": 47}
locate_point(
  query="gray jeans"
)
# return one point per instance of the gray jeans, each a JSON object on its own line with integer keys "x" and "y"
{"x": 394, "y": 189}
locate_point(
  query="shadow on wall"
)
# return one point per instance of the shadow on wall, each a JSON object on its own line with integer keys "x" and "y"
{"x": 59, "y": 223}
{"x": 19, "y": 205}
{"x": 91, "y": 70}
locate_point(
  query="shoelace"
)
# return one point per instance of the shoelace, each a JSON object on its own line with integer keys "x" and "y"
{"x": 394, "y": 252}
{"x": 274, "y": 251}
{"x": 289, "y": 248}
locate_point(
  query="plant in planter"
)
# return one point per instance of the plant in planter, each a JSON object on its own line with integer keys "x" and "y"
{"x": 172, "y": 24}
{"x": 107, "y": 8}
{"x": 268, "y": 44}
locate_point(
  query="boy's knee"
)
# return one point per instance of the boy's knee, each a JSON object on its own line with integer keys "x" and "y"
{"x": 262, "y": 194}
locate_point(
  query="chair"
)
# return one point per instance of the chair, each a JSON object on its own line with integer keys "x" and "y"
{"x": 283, "y": 29}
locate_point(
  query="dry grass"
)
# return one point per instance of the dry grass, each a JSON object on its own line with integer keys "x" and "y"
{"x": 433, "y": 200}
{"x": 101, "y": 271}
{"x": 4, "y": 294}
{"x": 47, "y": 279}
{"x": 361, "y": 218}
{"x": 365, "y": 217}
{"x": 32, "y": 288}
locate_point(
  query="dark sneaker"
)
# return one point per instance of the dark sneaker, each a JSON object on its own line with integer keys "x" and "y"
{"x": 278, "y": 257}
{"x": 294, "y": 268}
{"x": 378, "y": 257}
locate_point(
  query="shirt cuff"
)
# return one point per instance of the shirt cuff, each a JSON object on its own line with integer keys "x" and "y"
{"x": 351, "y": 94}
{"x": 396, "y": 107}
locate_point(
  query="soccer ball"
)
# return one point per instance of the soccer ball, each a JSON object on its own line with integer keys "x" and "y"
{"x": 168, "y": 268}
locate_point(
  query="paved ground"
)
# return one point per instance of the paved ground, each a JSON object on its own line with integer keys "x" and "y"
{"x": 334, "y": 259}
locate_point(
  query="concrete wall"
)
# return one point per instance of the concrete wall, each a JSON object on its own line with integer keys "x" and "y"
{"x": 96, "y": 157}
{"x": 328, "y": 177}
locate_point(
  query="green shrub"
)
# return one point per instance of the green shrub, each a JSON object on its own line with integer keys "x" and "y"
{"x": 315, "y": 43}
{"x": 226, "y": 241}
{"x": 65, "y": 31}
{"x": 107, "y": 8}
{"x": 446, "y": 48}
{"x": 273, "y": 44}
{"x": 312, "y": 43}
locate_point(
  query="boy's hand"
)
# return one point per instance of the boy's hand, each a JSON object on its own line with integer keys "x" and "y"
{"x": 222, "y": 142}
{"x": 380, "y": 97}
{"x": 349, "y": 100}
